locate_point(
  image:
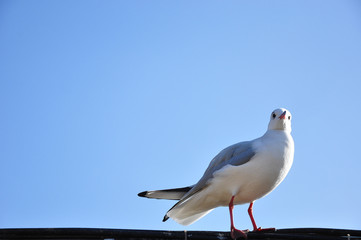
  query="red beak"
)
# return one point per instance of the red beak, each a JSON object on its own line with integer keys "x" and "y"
{"x": 283, "y": 115}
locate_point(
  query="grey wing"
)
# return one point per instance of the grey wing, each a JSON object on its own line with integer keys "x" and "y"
{"x": 235, "y": 155}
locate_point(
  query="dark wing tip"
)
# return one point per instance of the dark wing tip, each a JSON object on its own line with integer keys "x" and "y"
{"x": 143, "y": 194}
{"x": 165, "y": 218}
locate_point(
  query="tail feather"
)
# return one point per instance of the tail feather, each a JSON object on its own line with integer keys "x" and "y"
{"x": 181, "y": 212}
{"x": 185, "y": 220}
{"x": 190, "y": 209}
{"x": 172, "y": 194}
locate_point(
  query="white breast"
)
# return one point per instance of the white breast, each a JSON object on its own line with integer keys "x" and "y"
{"x": 258, "y": 177}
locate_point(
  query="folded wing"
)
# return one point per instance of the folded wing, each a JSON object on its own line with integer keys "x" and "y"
{"x": 235, "y": 155}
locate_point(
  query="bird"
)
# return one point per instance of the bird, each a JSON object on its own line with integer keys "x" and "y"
{"x": 239, "y": 174}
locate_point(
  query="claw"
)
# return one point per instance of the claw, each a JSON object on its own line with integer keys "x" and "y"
{"x": 264, "y": 230}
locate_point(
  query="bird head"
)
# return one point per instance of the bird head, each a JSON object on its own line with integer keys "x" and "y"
{"x": 280, "y": 120}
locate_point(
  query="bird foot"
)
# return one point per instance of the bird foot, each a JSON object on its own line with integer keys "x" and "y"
{"x": 264, "y": 229}
{"x": 236, "y": 233}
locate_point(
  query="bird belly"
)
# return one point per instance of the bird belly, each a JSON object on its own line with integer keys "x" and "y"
{"x": 249, "y": 181}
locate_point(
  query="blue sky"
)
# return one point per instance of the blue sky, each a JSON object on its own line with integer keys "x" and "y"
{"x": 103, "y": 99}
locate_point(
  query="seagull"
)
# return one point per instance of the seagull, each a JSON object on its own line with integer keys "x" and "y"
{"x": 239, "y": 174}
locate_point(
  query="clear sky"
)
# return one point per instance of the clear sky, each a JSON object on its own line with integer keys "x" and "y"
{"x": 100, "y": 100}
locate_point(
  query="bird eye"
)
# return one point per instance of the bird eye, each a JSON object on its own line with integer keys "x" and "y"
{"x": 273, "y": 115}
{"x": 289, "y": 117}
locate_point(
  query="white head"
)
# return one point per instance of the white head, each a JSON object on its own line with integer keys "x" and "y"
{"x": 280, "y": 120}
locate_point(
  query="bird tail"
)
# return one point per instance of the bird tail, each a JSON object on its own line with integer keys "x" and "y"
{"x": 172, "y": 194}
{"x": 184, "y": 219}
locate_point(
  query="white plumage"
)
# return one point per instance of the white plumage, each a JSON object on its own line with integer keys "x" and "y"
{"x": 241, "y": 173}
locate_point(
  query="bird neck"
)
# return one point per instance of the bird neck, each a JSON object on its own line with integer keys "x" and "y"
{"x": 273, "y": 132}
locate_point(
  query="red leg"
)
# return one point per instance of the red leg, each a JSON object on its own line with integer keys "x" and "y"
{"x": 250, "y": 212}
{"x": 235, "y": 233}
{"x": 255, "y": 228}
